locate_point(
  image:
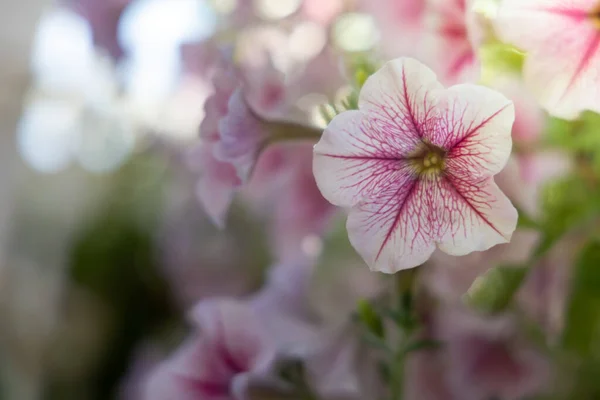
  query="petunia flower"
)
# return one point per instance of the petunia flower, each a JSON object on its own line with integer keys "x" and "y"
{"x": 489, "y": 357}
{"x": 415, "y": 165}
{"x": 231, "y": 136}
{"x": 454, "y": 37}
{"x": 562, "y": 40}
{"x": 215, "y": 363}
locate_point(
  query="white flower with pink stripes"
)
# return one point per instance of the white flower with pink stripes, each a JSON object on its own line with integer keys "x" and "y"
{"x": 415, "y": 166}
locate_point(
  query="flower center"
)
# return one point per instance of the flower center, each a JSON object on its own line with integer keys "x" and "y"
{"x": 429, "y": 160}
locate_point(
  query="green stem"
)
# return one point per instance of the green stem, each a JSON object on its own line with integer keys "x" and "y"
{"x": 403, "y": 303}
{"x": 281, "y": 131}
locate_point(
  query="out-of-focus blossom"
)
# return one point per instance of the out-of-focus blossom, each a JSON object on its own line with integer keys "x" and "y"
{"x": 223, "y": 159}
{"x": 214, "y": 364}
{"x": 242, "y": 136}
{"x": 488, "y": 357}
{"x": 103, "y": 17}
{"x": 454, "y": 39}
{"x": 415, "y": 164}
{"x": 250, "y": 110}
{"x": 562, "y": 40}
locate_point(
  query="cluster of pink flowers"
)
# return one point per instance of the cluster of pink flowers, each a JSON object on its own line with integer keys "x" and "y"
{"x": 426, "y": 168}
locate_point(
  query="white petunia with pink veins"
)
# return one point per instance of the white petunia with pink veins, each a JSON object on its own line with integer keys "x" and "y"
{"x": 562, "y": 41}
{"x": 415, "y": 165}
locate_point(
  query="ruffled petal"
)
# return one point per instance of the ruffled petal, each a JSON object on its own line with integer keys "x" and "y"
{"x": 399, "y": 101}
{"x": 217, "y": 184}
{"x": 394, "y": 231}
{"x": 454, "y": 51}
{"x": 236, "y": 337}
{"x": 242, "y": 136}
{"x": 533, "y": 24}
{"x": 475, "y": 129}
{"x": 474, "y": 216}
{"x": 564, "y": 51}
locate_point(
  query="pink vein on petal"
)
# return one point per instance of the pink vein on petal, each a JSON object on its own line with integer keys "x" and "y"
{"x": 450, "y": 181}
{"x": 578, "y": 15}
{"x": 585, "y": 60}
{"x": 388, "y": 235}
{"x": 474, "y": 130}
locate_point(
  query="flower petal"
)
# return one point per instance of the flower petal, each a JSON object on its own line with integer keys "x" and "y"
{"x": 217, "y": 184}
{"x": 531, "y": 24}
{"x": 453, "y": 44}
{"x": 399, "y": 100}
{"x": 475, "y": 129}
{"x": 475, "y": 215}
{"x": 394, "y": 231}
{"x": 565, "y": 79}
{"x": 237, "y": 341}
{"x": 355, "y": 160}
{"x": 242, "y": 136}
{"x": 564, "y": 50}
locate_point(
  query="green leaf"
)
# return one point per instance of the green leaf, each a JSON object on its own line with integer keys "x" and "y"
{"x": 493, "y": 291}
{"x": 370, "y": 318}
{"x": 526, "y": 221}
{"x": 582, "y": 331}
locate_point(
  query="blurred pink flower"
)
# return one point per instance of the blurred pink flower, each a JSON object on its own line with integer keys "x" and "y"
{"x": 215, "y": 363}
{"x": 454, "y": 39}
{"x": 242, "y": 136}
{"x": 415, "y": 164}
{"x": 562, "y": 40}
{"x": 488, "y": 357}
{"x": 231, "y": 137}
